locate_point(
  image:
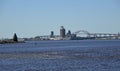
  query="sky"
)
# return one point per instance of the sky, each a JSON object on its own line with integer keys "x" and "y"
{"x": 30, "y": 18}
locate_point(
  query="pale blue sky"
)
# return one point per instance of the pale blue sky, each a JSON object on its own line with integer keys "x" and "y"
{"x": 29, "y": 18}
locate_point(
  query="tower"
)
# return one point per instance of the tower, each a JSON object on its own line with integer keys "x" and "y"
{"x": 62, "y": 32}
{"x": 69, "y": 33}
{"x": 52, "y": 34}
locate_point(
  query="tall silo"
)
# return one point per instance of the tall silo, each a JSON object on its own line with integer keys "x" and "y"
{"x": 62, "y": 32}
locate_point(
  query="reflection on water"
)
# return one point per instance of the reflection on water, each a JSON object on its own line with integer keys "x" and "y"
{"x": 83, "y": 55}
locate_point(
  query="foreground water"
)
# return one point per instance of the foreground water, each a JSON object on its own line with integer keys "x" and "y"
{"x": 71, "y": 55}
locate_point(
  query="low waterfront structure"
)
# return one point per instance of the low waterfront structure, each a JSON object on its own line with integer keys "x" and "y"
{"x": 7, "y": 41}
{"x": 14, "y": 40}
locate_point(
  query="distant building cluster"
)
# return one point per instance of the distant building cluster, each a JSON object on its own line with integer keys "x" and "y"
{"x": 63, "y": 35}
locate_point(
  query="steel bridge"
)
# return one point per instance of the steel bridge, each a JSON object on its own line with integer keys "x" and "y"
{"x": 97, "y": 35}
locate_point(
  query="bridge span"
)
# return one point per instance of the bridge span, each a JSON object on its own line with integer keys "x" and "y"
{"x": 97, "y": 35}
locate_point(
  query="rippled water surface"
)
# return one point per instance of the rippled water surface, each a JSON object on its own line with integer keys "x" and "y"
{"x": 70, "y": 55}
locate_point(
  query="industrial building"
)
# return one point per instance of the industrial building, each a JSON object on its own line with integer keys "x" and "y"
{"x": 62, "y": 32}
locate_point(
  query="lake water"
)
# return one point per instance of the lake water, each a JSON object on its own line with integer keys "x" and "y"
{"x": 69, "y": 55}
